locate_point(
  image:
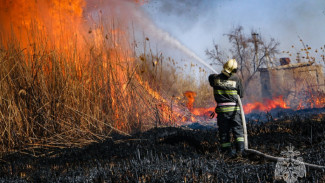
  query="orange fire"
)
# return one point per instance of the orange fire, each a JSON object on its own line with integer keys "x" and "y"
{"x": 63, "y": 24}
{"x": 190, "y": 95}
{"x": 59, "y": 21}
{"x": 313, "y": 99}
{"x": 203, "y": 111}
{"x": 64, "y": 27}
{"x": 267, "y": 105}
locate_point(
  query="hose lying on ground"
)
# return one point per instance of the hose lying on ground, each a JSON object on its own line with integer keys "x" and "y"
{"x": 273, "y": 158}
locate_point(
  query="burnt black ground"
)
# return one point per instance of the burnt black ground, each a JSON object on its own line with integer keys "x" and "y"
{"x": 173, "y": 155}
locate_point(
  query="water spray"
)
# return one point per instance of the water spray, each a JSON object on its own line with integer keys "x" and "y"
{"x": 190, "y": 53}
{"x": 172, "y": 41}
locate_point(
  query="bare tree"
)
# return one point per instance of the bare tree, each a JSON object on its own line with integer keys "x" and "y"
{"x": 251, "y": 51}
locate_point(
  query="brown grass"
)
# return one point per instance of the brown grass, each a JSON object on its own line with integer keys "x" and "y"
{"x": 171, "y": 78}
{"x": 55, "y": 97}
{"x": 67, "y": 97}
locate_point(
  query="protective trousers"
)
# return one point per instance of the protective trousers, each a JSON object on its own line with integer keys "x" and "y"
{"x": 230, "y": 122}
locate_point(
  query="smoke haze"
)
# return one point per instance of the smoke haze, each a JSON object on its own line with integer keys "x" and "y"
{"x": 200, "y": 22}
{"x": 193, "y": 24}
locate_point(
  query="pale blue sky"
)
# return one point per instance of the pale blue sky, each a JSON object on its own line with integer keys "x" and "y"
{"x": 197, "y": 23}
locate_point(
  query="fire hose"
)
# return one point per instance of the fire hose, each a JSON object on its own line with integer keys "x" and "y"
{"x": 273, "y": 158}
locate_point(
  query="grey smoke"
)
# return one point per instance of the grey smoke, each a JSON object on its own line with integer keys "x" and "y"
{"x": 127, "y": 13}
{"x": 281, "y": 19}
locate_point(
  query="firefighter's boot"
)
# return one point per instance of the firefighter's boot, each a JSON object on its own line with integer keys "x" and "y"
{"x": 227, "y": 150}
{"x": 240, "y": 149}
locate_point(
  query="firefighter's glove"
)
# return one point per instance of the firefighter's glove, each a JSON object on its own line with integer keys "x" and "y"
{"x": 212, "y": 115}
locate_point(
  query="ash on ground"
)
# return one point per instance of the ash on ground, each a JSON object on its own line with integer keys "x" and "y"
{"x": 171, "y": 155}
{"x": 280, "y": 114}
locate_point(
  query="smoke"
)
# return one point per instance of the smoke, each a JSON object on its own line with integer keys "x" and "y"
{"x": 62, "y": 20}
{"x": 199, "y": 23}
{"x": 186, "y": 11}
{"x": 159, "y": 34}
{"x": 129, "y": 12}
{"x": 182, "y": 8}
{"x": 284, "y": 20}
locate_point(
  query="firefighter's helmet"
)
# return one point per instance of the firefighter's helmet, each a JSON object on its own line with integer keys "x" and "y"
{"x": 230, "y": 67}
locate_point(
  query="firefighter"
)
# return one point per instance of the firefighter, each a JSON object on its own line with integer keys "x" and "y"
{"x": 226, "y": 87}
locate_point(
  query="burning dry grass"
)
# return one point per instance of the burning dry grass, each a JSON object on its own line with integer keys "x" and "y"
{"x": 185, "y": 96}
{"x": 44, "y": 100}
{"x": 50, "y": 97}
{"x": 171, "y": 78}
{"x": 65, "y": 97}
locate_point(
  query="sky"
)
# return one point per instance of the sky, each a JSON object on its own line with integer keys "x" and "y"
{"x": 197, "y": 24}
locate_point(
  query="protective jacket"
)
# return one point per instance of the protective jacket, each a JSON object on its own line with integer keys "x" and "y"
{"x": 226, "y": 88}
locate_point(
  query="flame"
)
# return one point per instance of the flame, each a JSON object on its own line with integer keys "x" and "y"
{"x": 65, "y": 27}
{"x": 190, "y": 95}
{"x": 63, "y": 24}
{"x": 59, "y": 21}
{"x": 203, "y": 111}
{"x": 309, "y": 101}
{"x": 267, "y": 105}
{"x": 152, "y": 92}
{"x": 313, "y": 101}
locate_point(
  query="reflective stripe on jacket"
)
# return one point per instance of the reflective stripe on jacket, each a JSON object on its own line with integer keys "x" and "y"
{"x": 226, "y": 103}
{"x": 228, "y": 92}
{"x": 227, "y": 109}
